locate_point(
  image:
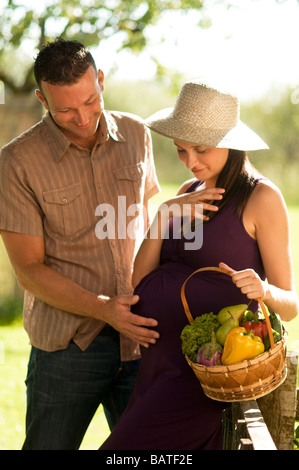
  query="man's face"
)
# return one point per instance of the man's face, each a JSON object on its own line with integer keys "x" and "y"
{"x": 76, "y": 108}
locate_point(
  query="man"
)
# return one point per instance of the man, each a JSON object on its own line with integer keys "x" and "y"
{"x": 53, "y": 180}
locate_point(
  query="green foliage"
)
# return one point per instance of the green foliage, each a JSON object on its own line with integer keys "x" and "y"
{"x": 10, "y": 310}
{"x": 87, "y": 21}
{"x": 276, "y": 119}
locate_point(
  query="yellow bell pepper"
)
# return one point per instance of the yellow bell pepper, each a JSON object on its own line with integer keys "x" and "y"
{"x": 241, "y": 345}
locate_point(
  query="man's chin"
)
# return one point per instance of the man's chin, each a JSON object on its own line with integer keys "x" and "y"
{"x": 81, "y": 132}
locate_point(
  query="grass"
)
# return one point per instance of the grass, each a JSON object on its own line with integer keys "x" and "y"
{"x": 13, "y": 361}
{"x": 14, "y": 352}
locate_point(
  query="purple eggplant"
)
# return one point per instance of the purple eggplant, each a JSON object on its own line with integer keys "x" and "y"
{"x": 209, "y": 354}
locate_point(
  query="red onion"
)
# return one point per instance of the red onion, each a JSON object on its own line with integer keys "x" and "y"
{"x": 209, "y": 354}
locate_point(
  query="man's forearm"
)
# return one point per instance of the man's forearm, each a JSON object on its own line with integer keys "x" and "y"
{"x": 59, "y": 291}
{"x": 27, "y": 255}
{"x": 63, "y": 293}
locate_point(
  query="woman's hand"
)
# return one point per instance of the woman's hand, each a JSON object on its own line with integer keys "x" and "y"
{"x": 248, "y": 281}
{"x": 185, "y": 204}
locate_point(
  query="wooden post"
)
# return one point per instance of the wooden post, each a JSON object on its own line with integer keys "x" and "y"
{"x": 256, "y": 428}
{"x": 279, "y": 407}
{"x": 245, "y": 429}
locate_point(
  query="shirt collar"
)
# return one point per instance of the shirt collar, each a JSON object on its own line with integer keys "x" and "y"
{"x": 60, "y": 142}
{"x": 110, "y": 123}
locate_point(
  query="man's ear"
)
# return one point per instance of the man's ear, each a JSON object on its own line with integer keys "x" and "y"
{"x": 42, "y": 99}
{"x": 101, "y": 78}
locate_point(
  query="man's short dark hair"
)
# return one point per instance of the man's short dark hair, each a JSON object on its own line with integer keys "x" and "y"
{"x": 62, "y": 62}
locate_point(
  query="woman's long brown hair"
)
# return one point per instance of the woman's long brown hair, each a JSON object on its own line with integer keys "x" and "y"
{"x": 238, "y": 177}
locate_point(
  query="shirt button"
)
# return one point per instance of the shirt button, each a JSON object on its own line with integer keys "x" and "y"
{"x": 64, "y": 200}
{"x": 119, "y": 271}
{"x": 134, "y": 177}
{"x": 99, "y": 186}
{"x": 113, "y": 243}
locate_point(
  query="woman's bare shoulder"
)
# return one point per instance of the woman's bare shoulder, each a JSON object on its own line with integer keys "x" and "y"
{"x": 266, "y": 206}
{"x": 266, "y": 193}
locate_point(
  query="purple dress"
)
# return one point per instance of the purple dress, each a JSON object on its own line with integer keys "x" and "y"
{"x": 168, "y": 409}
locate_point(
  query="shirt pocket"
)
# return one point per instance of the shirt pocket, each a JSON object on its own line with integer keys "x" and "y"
{"x": 128, "y": 198}
{"x": 130, "y": 182}
{"x": 65, "y": 212}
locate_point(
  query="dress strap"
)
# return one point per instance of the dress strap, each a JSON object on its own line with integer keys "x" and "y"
{"x": 193, "y": 186}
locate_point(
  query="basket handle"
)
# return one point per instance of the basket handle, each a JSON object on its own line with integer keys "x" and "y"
{"x": 224, "y": 271}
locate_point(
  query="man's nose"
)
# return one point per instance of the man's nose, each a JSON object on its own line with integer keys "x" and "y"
{"x": 82, "y": 116}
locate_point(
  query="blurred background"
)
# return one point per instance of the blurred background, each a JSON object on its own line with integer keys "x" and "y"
{"x": 147, "y": 50}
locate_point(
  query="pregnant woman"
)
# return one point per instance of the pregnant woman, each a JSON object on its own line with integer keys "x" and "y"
{"x": 244, "y": 229}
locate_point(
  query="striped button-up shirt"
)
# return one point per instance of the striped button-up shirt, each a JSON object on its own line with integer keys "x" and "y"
{"x": 81, "y": 203}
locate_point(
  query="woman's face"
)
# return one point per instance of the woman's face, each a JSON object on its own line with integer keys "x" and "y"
{"x": 206, "y": 163}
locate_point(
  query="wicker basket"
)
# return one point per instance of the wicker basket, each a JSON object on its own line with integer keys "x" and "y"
{"x": 246, "y": 380}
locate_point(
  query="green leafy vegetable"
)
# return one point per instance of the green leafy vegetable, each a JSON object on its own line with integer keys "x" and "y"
{"x": 198, "y": 333}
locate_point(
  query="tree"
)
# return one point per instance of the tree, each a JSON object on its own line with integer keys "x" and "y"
{"x": 88, "y": 21}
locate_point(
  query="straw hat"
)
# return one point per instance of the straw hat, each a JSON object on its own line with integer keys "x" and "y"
{"x": 204, "y": 115}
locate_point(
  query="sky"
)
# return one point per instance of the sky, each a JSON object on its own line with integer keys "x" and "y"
{"x": 252, "y": 46}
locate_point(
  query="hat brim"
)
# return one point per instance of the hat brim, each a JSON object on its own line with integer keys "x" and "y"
{"x": 240, "y": 137}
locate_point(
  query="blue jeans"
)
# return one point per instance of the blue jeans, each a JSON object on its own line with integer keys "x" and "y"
{"x": 65, "y": 388}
